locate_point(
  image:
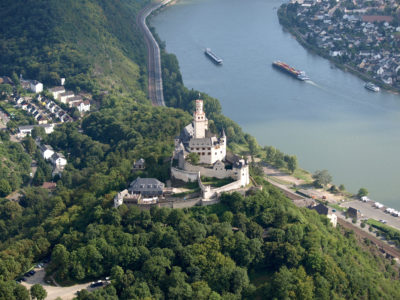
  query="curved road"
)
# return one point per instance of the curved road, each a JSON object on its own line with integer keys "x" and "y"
{"x": 153, "y": 55}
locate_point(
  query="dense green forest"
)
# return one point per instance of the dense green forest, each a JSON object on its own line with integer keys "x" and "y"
{"x": 255, "y": 246}
{"x": 95, "y": 45}
{"x": 14, "y": 165}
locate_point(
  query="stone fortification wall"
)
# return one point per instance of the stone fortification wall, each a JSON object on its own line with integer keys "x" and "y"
{"x": 186, "y": 203}
{"x": 209, "y": 172}
{"x": 213, "y": 193}
{"x": 229, "y": 187}
{"x": 185, "y": 176}
{"x": 209, "y": 202}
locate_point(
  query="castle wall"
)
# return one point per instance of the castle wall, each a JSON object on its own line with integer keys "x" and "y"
{"x": 186, "y": 203}
{"x": 183, "y": 175}
{"x": 208, "y": 172}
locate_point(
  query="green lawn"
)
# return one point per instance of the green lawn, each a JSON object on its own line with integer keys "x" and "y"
{"x": 337, "y": 207}
{"x": 215, "y": 182}
{"x": 303, "y": 174}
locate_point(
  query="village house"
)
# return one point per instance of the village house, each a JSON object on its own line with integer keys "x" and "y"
{"x": 75, "y": 99}
{"x": 56, "y": 91}
{"x": 64, "y": 96}
{"x": 139, "y": 164}
{"x": 353, "y": 213}
{"x": 325, "y": 211}
{"x": 36, "y": 86}
{"x": 82, "y": 106}
{"x": 27, "y": 129}
{"x": 58, "y": 160}
{"x": 141, "y": 191}
{"x": 47, "y": 151}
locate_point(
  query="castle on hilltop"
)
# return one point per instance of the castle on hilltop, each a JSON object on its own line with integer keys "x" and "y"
{"x": 214, "y": 161}
{"x": 209, "y": 148}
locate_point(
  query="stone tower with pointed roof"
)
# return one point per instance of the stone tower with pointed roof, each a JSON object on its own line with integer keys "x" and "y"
{"x": 209, "y": 147}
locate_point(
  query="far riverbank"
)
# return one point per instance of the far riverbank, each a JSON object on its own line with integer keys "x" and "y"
{"x": 331, "y": 123}
{"x": 345, "y": 67}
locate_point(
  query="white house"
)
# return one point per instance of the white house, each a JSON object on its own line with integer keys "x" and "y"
{"x": 58, "y": 160}
{"x": 47, "y": 151}
{"x": 36, "y": 86}
{"x": 56, "y": 91}
{"x": 27, "y": 129}
{"x": 64, "y": 96}
{"x": 82, "y": 106}
{"x": 76, "y": 99}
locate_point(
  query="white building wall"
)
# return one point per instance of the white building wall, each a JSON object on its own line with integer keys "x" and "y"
{"x": 333, "y": 219}
{"x": 47, "y": 154}
{"x": 36, "y": 87}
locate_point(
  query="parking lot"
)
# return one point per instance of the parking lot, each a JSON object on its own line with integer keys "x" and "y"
{"x": 370, "y": 212}
{"x": 65, "y": 293}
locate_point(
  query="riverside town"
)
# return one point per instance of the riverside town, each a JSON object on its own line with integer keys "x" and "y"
{"x": 362, "y": 35}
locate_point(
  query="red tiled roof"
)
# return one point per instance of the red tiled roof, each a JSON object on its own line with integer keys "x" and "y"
{"x": 49, "y": 185}
{"x": 377, "y": 19}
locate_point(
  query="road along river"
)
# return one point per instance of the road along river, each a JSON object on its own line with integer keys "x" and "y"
{"x": 331, "y": 123}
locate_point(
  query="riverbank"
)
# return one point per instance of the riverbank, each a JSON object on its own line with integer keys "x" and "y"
{"x": 315, "y": 50}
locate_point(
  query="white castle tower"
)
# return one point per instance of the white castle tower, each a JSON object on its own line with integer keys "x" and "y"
{"x": 210, "y": 148}
{"x": 200, "y": 121}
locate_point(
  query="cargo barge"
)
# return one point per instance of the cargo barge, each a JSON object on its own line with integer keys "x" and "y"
{"x": 212, "y": 56}
{"x": 300, "y": 75}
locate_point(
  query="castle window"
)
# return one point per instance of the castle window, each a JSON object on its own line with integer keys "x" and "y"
{"x": 209, "y": 153}
{"x": 197, "y": 148}
{"x": 203, "y": 153}
{"x": 204, "y": 148}
{"x": 209, "y": 148}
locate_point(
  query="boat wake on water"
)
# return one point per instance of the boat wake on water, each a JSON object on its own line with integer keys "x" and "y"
{"x": 313, "y": 83}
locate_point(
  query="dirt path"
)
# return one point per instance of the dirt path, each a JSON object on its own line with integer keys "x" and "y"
{"x": 282, "y": 176}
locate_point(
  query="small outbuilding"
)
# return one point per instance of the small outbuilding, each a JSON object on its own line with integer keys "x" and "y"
{"x": 140, "y": 164}
{"x": 352, "y": 213}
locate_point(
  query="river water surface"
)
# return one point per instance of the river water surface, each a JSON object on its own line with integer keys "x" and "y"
{"x": 331, "y": 123}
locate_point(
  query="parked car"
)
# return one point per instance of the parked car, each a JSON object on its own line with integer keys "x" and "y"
{"x": 96, "y": 284}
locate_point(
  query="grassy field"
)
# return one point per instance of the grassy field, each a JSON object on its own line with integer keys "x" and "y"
{"x": 215, "y": 182}
{"x": 337, "y": 207}
{"x": 303, "y": 174}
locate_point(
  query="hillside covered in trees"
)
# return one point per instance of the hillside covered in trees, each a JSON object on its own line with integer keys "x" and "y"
{"x": 96, "y": 45}
{"x": 258, "y": 246}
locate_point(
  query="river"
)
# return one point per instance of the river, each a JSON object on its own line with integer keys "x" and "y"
{"x": 331, "y": 123}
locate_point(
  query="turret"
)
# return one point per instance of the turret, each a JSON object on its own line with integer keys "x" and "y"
{"x": 200, "y": 121}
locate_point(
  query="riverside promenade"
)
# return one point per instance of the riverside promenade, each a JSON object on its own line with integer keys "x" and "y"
{"x": 155, "y": 84}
